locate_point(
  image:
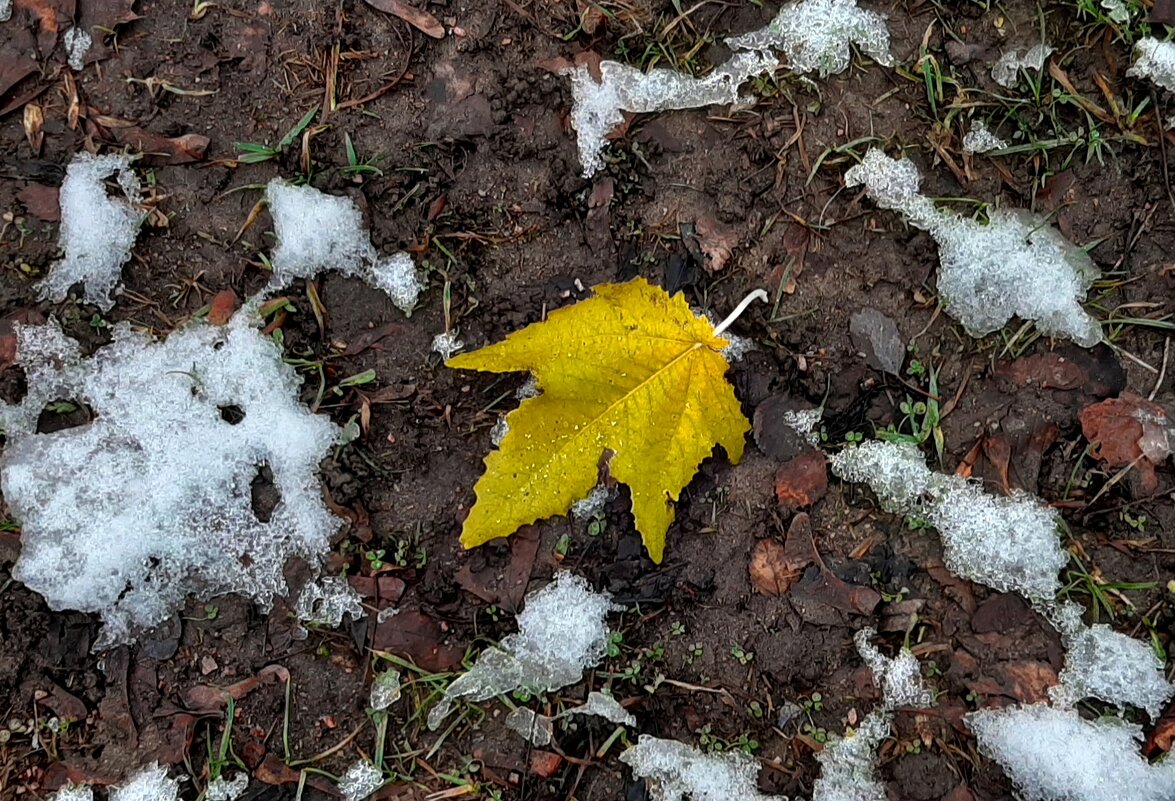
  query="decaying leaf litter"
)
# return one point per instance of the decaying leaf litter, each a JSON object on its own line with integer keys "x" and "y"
{"x": 484, "y": 228}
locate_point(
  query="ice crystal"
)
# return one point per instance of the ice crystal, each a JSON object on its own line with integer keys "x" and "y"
{"x": 361, "y": 780}
{"x": 1155, "y": 61}
{"x": 604, "y": 706}
{"x": 1006, "y": 70}
{"x": 385, "y": 690}
{"x": 5, "y": 10}
{"x": 1108, "y": 665}
{"x": 1014, "y": 265}
{"x": 316, "y": 232}
{"x": 1056, "y": 755}
{"x": 97, "y": 230}
{"x": 561, "y": 631}
{"x": 73, "y": 792}
{"x": 532, "y": 727}
{"x": 326, "y": 601}
{"x": 980, "y": 140}
{"x": 593, "y": 504}
{"x": 598, "y": 106}
{"x": 141, "y": 519}
{"x": 817, "y": 36}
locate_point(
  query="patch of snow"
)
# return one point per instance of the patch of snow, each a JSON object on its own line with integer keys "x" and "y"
{"x": 1056, "y": 755}
{"x": 73, "y": 792}
{"x": 534, "y": 728}
{"x": 1015, "y": 265}
{"x": 326, "y": 601}
{"x": 140, "y": 519}
{"x": 736, "y": 347}
{"x": 529, "y": 389}
{"x": 591, "y": 505}
{"x": 806, "y": 423}
{"x": 446, "y": 344}
{"x": 1118, "y": 11}
{"x": 848, "y": 764}
{"x": 316, "y": 232}
{"x": 598, "y": 107}
{"x": 220, "y": 789}
{"x": 561, "y": 631}
{"x": 1155, "y": 61}
{"x": 980, "y": 140}
{"x": 676, "y": 770}
{"x": 77, "y": 43}
{"x": 361, "y": 780}
{"x": 385, "y": 690}
{"x": 604, "y": 706}
{"x": 5, "y": 10}
{"x": 149, "y": 784}
{"x": 1113, "y": 667}
{"x": 1006, "y": 70}
{"x": 817, "y": 36}
{"x": 499, "y": 431}
{"x": 97, "y": 230}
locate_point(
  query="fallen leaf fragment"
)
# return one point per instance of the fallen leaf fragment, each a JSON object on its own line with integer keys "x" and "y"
{"x": 1096, "y": 370}
{"x": 423, "y": 21}
{"x": 802, "y": 481}
{"x": 774, "y": 569}
{"x": 157, "y": 149}
{"x": 824, "y": 586}
{"x": 718, "y": 242}
{"x": 544, "y": 763}
{"x": 43, "y": 202}
{"x": 1129, "y": 430}
{"x": 224, "y": 303}
{"x": 413, "y": 634}
{"x": 631, "y": 371}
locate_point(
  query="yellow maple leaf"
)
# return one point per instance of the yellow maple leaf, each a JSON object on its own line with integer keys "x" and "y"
{"x": 631, "y": 374}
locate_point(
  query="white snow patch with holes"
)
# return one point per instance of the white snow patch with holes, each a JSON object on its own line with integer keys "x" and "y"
{"x": 361, "y": 780}
{"x": 326, "y": 601}
{"x": 5, "y": 10}
{"x": 149, "y": 784}
{"x": 1006, "y": 70}
{"x": 1155, "y": 61}
{"x": 77, "y": 43}
{"x": 806, "y": 423}
{"x": 593, "y": 503}
{"x": 97, "y": 230}
{"x": 318, "y": 232}
{"x": 1015, "y": 265}
{"x": 446, "y": 344}
{"x": 149, "y": 502}
{"x": 981, "y": 140}
{"x": 598, "y": 107}
{"x": 1056, "y": 755}
{"x": 817, "y": 36}
{"x": 385, "y": 690}
{"x": 561, "y": 631}
{"x": 1008, "y": 543}
{"x": 221, "y": 789}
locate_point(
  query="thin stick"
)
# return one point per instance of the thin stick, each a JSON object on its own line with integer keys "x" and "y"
{"x": 758, "y": 294}
{"x": 1162, "y": 369}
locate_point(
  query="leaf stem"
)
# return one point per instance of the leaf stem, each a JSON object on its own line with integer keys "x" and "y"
{"x": 758, "y": 294}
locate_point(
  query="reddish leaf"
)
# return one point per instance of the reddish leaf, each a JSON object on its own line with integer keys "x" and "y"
{"x": 157, "y": 149}
{"x": 802, "y": 481}
{"x": 544, "y": 763}
{"x": 43, "y": 202}
{"x": 1162, "y": 738}
{"x": 370, "y": 338}
{"x": 224, "y": 303}
{"x": 51, "y": 17}
{"x": 1095, "y": 371}
{"x": 206, "y": 699}
{"x": 423, "y": 21}
{"x": 826, "y": 587}
{"x": 774, "y": 567}
{"x": 1027, "y": 681}
{"x": 414, "y": 635}
{"x": 1128, "y": 430}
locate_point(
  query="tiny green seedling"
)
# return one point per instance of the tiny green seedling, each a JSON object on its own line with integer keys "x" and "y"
{"x": 250, "y": 153}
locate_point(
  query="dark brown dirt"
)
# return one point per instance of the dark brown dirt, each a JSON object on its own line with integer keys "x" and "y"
{"x": 480, "y": 179}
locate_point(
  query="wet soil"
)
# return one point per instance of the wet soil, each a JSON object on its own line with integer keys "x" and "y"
{"x": 476, "y": 173}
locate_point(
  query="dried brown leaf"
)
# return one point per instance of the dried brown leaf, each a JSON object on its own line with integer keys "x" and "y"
{"x": 423, "y": 21}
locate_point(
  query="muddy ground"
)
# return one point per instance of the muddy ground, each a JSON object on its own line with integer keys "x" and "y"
{"x": 476, "y": 173}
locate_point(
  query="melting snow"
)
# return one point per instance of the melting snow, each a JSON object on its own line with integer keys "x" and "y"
{"x": 675, "y": 770}
{"x": 534, "y": 728}
{"x": 561, "y": 631}
{"x": 385, "y": 690}
{"x": 361, "y": 780}
{"x": 5, "y": 10}
{"x": 598, "y": 107}
{"x": 817, "y": 35}
{"x": 139, "y": 517}
{"x": 446, "y": 344}
{"x": 73, "y": 792}
{"x": 149, "y": 784}
{"x": 1015, "y": 265}
{"x": 77, "y": 43}
{"x": 219, "y": 789}
{"x": 980, "y": 140}
{"x": 592, "y": 504}
{"x": 1055, "y": 755}
{"x": 97, "y": 230}
{"x": 316, "y": 232}
{"x": 1006, "y": 70}
{"x": 1155, "y": 61}
{"x": 326, "y": 601}
{"x": 604, "y": 706}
